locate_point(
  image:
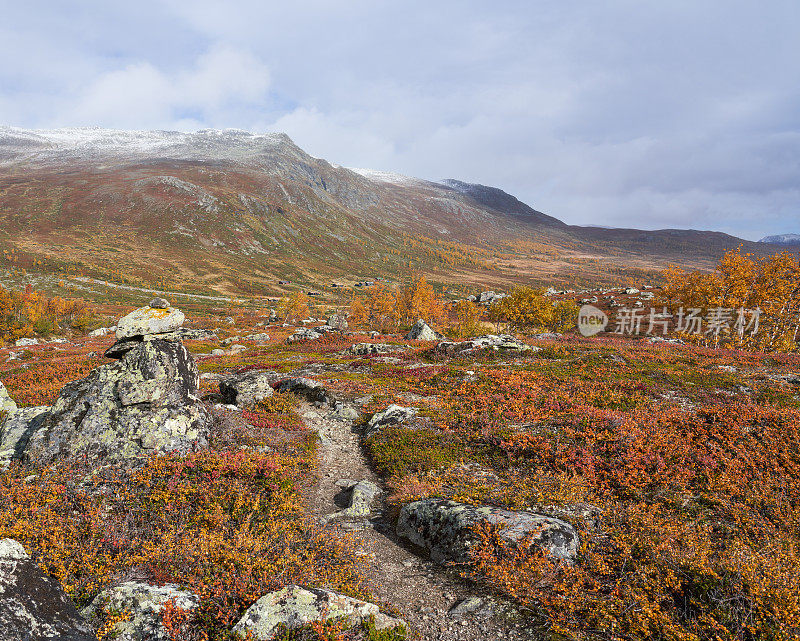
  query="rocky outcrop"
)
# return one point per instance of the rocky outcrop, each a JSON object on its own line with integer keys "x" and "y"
{"x": 145, "y": 604}
{"x": 145, "y": 403}
{"x": 392, "y": 415}
{"x": 294, "y": 607}
{"x": 33, "y": 606}
{"x": 444, "y": 529}
{"x": 306, "y": 387}
{"x": 504, "y": 342}
{"x": 247, "y": 388}
{"x": 338, "y": 322}
{"x": 16, "y": 432}
{"x": 422, "y": 332}
{"x": 147, "y": 321}
{"x": 305, "y": 334}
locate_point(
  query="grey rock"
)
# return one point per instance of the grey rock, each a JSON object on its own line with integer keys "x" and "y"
{"x": 258, "y": 338}
{"x": 422, "y": 332}
{"x": 360, "y": 501}
{"x": 304, "y": 334}
{"x": 193, "y": 334}
{"x": 230, "y": 340}
{"x": 392, "y": 415}
{"x": 369, "y": 349}
{"x": 247, "y": 388}
{"x": 546, "y": 336}
{"x": 294, "y": 606}
{"x": 217, "y": 352}
{"x": 16, "y": 432}
{"x": 159, "y": 303}
{"x": 345, "y": 412}
{"x": 145, "y": 604}
{"x": 467, "y": 606}
{"x": 490, "y": 341}
{"x": 444, "y": 529}
{"x": 33, "y": 606}
{"x": 310, "y": 389}
{"x": 144, "y": 403}
{"x": 148, "y": 320}
{"x": 338, "y": 322}
{"x": 102, "y": 331}
{"x": 26, "y": 342}
{"x": 7, "y": 404}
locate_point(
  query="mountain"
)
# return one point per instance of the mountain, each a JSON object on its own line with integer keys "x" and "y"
{"x": 782, "y": 239}
{"x": 230, "y": 211}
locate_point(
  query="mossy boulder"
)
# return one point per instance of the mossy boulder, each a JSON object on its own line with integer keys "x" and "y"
{"x": 145, "y": 403}
{"x": 444, "y": 529}
{"x": 293, "y": 607}
{"x": 149, "y": 320}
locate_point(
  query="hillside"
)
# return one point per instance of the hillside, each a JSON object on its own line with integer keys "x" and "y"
{"x": 232, "y": 212}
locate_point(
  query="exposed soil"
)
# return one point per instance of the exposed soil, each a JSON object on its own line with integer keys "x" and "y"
{"x": 422, "y": 592}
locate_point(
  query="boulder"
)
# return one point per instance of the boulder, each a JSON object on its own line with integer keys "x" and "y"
{"x": 503, "y": 342}
{"x": 422, "y": 332}
{"x": 145, "y": 403}
{"x": 159, "y": 303}
{"x": 145, "y": 604}
{"x": 310, "y": 389}
{"x": 16, "y": 432}
{"x": 304, "y": 334}
{"x": 444, "y": 529}
{"x": 149, "y": 320}
{"x": 370, "y": 349}
{"x": 258, "y": 338}
{"x": 26, "y": 342}
{"x": 392, "y": 415}
{"x": 33, "y": 606}
{"x": 294, "y": 607}
{"x": 6, "y": 402}
{"x": 247, "y": 388}
{"x": 360, "y": 499}
{"x": 338, "y": 322}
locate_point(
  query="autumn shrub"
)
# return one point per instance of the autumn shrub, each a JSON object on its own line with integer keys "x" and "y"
{"x": 526, "y": 308}
{"x": 738, "y": 286}
{"x": 29, "y": 313}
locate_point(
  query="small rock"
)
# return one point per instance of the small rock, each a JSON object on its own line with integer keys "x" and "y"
{"x": 26, "y": 342}
{"x": 338, "y": 322}
{"x": 159, "y": 303}
{"x": 392, "y": 415}
{"x": 6, "y": 402}
{"x": 248, "y": 388}
{"x": 422, "y": 332}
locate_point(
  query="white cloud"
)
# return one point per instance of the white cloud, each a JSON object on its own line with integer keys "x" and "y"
{"x": 140, "y": 95}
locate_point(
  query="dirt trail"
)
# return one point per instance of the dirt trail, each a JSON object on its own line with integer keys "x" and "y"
{"x": 424, "y": 593}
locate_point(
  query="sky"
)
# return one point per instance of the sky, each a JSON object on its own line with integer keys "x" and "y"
{"x": 624, "y": 113}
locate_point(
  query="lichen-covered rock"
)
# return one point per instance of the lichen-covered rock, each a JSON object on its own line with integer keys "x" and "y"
{"x": 338, "y": 322}
{"x": 258, "y": 338}
{"x": 6, "y": 402}
{"x": 444, "y": 529}
{"x": 248, "y": 388}
{"x": 149, "y": 320}
{"x": 503, "y": 342}
{"x": 145, "y": 604}
{"x": 392, "y": 415}
{"x": 294, "y": 607}
{"x": 310, "y": 389}
{"x": 369, "y": 349}
{"x": 143, "y": 404}
{"x": 362, "y": 494}
{"x": 16, "y": 431}
{"x": 159, "y": 303}
{"x": 422, "y": 332}
{"x": 304, "y": 334}
{"x": 33, "y": 606}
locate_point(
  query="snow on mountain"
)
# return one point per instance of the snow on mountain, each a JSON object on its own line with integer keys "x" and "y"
{"x": 386, "y": 176}
{"x": 78, "y": 143}
{"x": 782, "y": 239}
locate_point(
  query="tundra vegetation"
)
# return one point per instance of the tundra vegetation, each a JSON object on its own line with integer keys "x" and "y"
{"x": 679, "y": 464}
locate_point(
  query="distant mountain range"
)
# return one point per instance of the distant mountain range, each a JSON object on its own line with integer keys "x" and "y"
{"x": 230, "y": 211}
{"x": 782, "y": 239}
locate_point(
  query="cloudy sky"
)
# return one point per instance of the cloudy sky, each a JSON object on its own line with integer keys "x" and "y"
{"x": 622, "y": 112}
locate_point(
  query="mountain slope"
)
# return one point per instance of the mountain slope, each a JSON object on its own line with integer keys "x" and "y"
{"x": 790, "y": 240}
{"x": 228, "y": 211}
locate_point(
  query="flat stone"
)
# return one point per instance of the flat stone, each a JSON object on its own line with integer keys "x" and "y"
{"x": 149, "y": 320}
